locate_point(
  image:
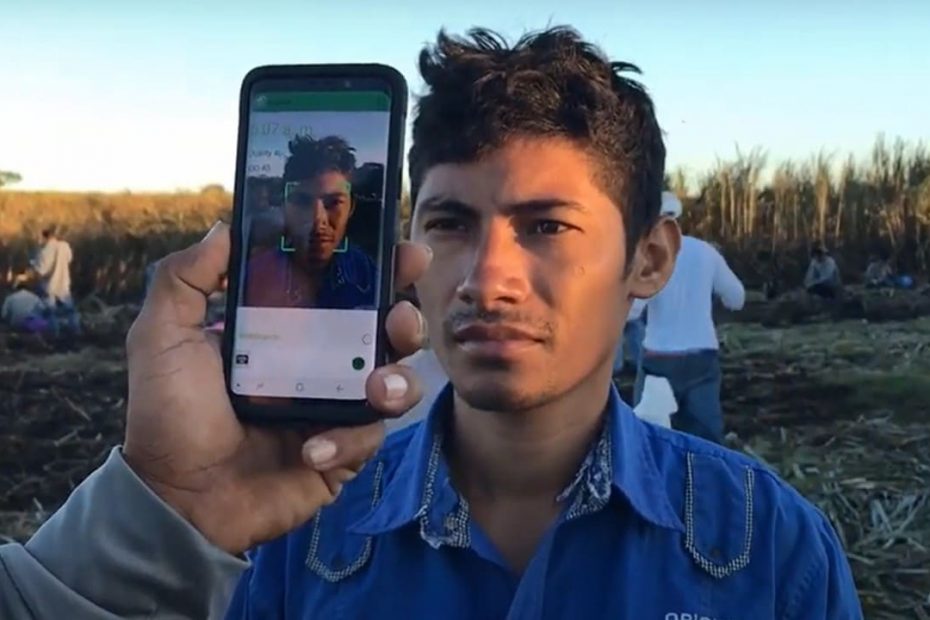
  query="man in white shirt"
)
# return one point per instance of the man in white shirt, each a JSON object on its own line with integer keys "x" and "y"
{"x": 53, "y": 268}
{"x": 681, "y": 340}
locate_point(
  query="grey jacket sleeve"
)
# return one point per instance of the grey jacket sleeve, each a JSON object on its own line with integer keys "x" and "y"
{"x": 116, "y": 550}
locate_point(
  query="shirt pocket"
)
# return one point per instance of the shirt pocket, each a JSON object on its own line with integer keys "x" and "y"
{"x": 719, "y": 514}
{"x": 333, "y": 553}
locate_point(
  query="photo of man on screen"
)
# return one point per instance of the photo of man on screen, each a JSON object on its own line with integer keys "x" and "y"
{"x": 315, "y": 264}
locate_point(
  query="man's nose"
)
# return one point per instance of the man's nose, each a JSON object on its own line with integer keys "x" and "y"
{"x": 319, "y": 213}
{"x": 497, "y": 273}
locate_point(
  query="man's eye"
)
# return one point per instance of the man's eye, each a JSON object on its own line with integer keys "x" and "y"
{"x": 548, "y": 227}
{"x": 444, "y": 224}
{"x": 334, "y": 202}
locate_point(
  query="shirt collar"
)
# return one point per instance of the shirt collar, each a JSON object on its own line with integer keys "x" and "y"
{"x": 621, "y": 460}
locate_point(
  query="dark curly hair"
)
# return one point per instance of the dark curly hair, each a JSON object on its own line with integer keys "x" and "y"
{"x": 481, "y": 93}
{"x": 310, "y": 157}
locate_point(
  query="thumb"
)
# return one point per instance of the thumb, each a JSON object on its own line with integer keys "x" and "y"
{"x": 184, "y": 279}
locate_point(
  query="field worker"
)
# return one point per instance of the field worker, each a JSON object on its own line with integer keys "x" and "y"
{"x": 530, "y": 491}
{"x": 52, "y": 266}
{"x": 630, "y": 347}
{"x": 681, "y": 341}
{"x": 879, "y": 273}
{"x": 823, "y": 276}
{"x": 22, "y": 309}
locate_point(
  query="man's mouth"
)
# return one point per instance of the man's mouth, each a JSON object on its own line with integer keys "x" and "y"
{"x": 494, "y": 340}
{"x": 321, "y": 239}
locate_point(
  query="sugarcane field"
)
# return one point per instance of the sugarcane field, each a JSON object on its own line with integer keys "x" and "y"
{"x": 838, "y": 406}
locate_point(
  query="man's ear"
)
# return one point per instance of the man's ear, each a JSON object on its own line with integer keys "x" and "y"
{"x": 654, "y": 259}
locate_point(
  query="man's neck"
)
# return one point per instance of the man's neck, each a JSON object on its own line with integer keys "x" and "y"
{"x": 527, "y": 455}
{"x": 511, "y": 466}
{"x": 307, "y": 265}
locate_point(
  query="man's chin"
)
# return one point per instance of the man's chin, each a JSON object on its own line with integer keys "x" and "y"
{"x": 316, "y": 256}
{"x": 504, "y": 394}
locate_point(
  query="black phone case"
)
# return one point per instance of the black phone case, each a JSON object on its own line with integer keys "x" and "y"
{"x": 314, "y": 411}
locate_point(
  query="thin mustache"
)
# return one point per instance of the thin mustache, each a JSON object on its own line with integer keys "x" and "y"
{"x": 454, "y": 320}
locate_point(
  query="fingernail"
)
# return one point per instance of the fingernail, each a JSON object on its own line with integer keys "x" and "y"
{"x": 319, "y": 451}
{"x": 424, "y": 329}
{"x": 429, "y": 251}
{"x": 395, "y": 386}
{"x": 212, "y": 230}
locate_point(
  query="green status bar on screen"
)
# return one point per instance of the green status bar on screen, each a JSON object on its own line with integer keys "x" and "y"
{"x": 322, "y": 101}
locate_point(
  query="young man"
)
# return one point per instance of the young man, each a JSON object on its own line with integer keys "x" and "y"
{"x": 23, "y": 309}
{"x": 531, "y": 490}
{"x": 823, "y": 276}
{"x": 681, "y": 340}
{"x": 315, "y": 265}
{"x": 878, "y": 273}
{"x": 52, "y": 266}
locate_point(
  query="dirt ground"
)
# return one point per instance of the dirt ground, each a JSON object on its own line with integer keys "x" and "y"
{"x": 840, "y": 408}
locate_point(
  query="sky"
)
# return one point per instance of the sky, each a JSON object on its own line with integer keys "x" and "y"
{"x": 111, "y": 95}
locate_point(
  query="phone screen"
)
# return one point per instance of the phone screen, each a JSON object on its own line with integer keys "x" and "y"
{"x": 311, "y": 225}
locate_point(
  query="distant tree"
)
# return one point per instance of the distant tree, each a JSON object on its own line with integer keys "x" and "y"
{"x": 8, "y": 178}
{"x": 213, "y": 188}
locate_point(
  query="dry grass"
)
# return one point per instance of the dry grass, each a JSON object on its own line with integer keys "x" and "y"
{"x": 841, "y": 410}
{"x": 883, "y": 200}
{"x": 114, "y": 236}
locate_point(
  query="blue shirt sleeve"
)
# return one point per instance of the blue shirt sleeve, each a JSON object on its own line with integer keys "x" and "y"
{"x": 824, "y": 588}
{"x": 260, "y": 591}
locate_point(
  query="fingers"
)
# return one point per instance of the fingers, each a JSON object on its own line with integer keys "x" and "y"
{"x": 393, "y": 389}
{"x": 412, "y": 261}
{"x": 406, "y": 328}
{"x": 346, "y": 447}
{"x": 183, "y": 279}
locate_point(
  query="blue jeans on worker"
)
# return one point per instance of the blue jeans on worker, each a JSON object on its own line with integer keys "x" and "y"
{"x": 634, "y": 332}
{"x": 630, "y": 346}
{"x": 63, "y": 312}
{"x": 695, "y": 381}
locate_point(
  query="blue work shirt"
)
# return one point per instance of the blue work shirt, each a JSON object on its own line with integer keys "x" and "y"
{"x": 350, "y": 281}
{"x": 656, "y": 525}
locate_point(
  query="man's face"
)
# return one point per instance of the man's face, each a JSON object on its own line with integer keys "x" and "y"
{"x": 316, "y": 215}
{"x": 526, "y": 295}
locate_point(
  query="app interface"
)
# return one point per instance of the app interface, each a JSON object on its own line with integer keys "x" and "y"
{"x": 314, "y": 195}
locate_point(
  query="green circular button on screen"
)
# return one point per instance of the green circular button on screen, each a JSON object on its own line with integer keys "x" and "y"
{"x": 358, "y": 363}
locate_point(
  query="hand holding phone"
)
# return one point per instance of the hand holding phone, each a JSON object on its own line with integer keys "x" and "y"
{"x": 314, "y": 228}
{"x": 241, "y": 485}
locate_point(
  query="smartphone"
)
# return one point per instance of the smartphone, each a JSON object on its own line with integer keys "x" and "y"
{"x": 315, "y": 222}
